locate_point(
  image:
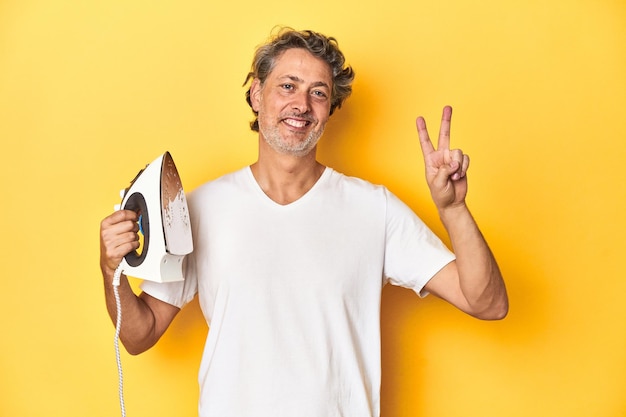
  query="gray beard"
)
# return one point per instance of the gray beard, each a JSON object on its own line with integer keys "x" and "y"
{"x": 272, "y": 136}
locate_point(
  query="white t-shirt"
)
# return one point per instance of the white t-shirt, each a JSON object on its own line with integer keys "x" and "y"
{"x": 292, "y": 293}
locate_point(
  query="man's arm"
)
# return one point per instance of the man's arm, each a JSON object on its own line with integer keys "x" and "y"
{"x": 473, "y": 282}
{"x": 145, "y": 318}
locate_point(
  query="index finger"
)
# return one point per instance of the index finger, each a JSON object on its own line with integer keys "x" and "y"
{"x": 422, "y": 132}
{"x": 119, "y": 216}
{"x": 444, "y": 130}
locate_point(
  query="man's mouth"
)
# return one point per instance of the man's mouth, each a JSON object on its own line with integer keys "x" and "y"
{"x": 297, "y": 123}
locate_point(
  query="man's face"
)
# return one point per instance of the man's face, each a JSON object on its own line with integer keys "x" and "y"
{"x": 294, "y": 102}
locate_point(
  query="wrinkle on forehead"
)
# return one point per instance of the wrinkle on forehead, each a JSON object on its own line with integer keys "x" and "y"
{"x": 296, "y": 60}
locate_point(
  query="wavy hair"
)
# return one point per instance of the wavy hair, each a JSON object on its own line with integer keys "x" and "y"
{"x": 318, "y": 45}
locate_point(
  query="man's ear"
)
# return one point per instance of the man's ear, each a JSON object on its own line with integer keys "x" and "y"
{"x": 255, "y": 94}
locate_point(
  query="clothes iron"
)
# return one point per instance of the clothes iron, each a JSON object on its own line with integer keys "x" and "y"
{"x": 157, "y": 195}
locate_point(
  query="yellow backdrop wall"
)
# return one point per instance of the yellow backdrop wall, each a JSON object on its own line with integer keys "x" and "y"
{"x": 91, "y": 91}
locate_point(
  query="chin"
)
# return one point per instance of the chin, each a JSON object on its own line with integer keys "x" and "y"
{"x": 299, "y": 149}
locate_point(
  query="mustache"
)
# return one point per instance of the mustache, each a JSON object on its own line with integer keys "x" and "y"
{"x": 295, "y": 115}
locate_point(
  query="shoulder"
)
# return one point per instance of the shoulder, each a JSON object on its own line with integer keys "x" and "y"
{"x": 364, "y": 192}
{"x": 232, "y": 180}
{"x": 344, "y": 182}
{"x": 358, "y": 195}
{"x": 359, "y": 187}
{"x": 219, "y": 194}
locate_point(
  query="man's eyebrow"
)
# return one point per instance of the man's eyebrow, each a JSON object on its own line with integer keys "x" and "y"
{"x": 321, "y": 84}
{"x": 297, "y": 79}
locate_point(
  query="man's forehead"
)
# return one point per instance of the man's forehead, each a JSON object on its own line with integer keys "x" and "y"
{"x": 298, "y": 64}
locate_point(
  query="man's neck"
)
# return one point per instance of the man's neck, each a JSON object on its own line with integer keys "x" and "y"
{"x": 284, "y": 178}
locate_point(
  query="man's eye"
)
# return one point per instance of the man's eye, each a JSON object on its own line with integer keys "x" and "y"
{"x": 287, "y": 86}
{"x": 319, "y": 93}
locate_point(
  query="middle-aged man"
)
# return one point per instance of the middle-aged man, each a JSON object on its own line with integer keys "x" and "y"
{"x": 291, "y": 256}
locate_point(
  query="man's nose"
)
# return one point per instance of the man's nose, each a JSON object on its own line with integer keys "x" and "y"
{"x": 301, "y": 102}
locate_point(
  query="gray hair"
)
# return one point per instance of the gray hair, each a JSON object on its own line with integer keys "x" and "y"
{"x": 318, "y": 45}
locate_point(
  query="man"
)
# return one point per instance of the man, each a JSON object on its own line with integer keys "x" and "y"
{"x": 290, "y": 257}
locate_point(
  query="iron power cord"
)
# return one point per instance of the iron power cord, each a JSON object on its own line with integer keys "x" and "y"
{"x": 118, "y": 328}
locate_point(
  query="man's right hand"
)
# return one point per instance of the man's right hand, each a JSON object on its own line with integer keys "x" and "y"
{"x": 118, "y": 237}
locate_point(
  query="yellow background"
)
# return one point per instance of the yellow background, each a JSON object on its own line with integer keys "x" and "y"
{"x": 90, "y": 91}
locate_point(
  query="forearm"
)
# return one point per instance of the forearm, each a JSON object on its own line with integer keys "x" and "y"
{"x": 137, "y": 332}
{"x": 480, "y": 279}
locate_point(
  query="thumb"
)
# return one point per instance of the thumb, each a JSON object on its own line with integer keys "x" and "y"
{"x": 445, "y": 173}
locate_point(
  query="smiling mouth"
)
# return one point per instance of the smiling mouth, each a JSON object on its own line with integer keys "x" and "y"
{"x": 297, "y": 123}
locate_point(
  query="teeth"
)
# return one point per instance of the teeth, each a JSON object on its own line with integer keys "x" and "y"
{"x": 296, "y": 123}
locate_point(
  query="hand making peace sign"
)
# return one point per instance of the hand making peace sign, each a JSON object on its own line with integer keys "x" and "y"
{"x": 445, "y": 167}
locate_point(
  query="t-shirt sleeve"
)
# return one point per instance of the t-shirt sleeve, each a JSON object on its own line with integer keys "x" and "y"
{"x": 177, "y": 293}
{"x": 413, "y": 253}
